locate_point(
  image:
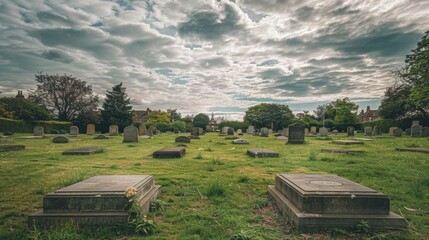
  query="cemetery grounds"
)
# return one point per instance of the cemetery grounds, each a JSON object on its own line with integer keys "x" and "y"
{"x": 215, "y": 191}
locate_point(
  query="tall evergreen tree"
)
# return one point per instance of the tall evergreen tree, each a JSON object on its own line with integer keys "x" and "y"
{"x": 117, "y": 108}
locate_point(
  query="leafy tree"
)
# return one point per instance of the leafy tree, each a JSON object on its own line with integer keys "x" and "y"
{"x": 117, "y": 108}
{"x": 20, "y": 108}
{"x": 396, "y": 102}
{"x": 200, "y": 120}
{"x": 85, "y": 118}
{"x": 188, "y": 119}
{"x": 158, "y": 116}
{"x": 4, "y": 113}
{"x": 179, "y": 125}
{"x": 234, "y": 124}
{"x": 269, "y": 115}
{"x": 64, "y": 96}
{"x": 345, "y": 112}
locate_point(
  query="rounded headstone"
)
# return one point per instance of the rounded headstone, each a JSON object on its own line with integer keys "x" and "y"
{"x": 183, "y": 139}
{"x": 7, "y": 133}
{"x": 53, "y": 131}
{"x": 264, "y": 132}
{"x": 230, "y": 132}
{"x": 131, "y": 134}
{"x": 60, "y": 139}
{"x": 74, "y": 130}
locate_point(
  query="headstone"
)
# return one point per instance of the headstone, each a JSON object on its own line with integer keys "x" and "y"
{"x": 195, "y": 132}
{"x": 60, "y": 139}
{"x": 257, "y": 153}
{"x": 149, "y": 132}
{"x": 376, "y": 131}
{"x": 415, "y": 123}
{"x": 99, "y": 201}
{"x": 101, "y": 136}
{"x": 83, "y": 151}
{"x": 416, "y": 130}
{"x": 169, "y": 153}
{"x": 306, "y": 131}
{"x": 422, "y": 150}
{"x": 340, "y": 150}
{"x": 176, "y": 131}
{"x": 346, "y": 142}
{"x": 285, "y": 132}
{"x": 313, "y": 202}
{"x": 397, "y": 132}
{"x": 152, "y": 130}
{"x": 296, "y": 134}
{"x": 142, "y": 130}
{"x": 113, "y": 130}
{"x": 363, "y": 139}
{"x": 5, "y": 140}
{"x": 250, "y": 129}
{"x": 239, "y": 132}
{"x": 200, "y": 131}
{"x": 323, "y": 131}
{"x": 131, "y": 134}
{"x": 270, "y": 131}
{"x": 7, "y": 133}
{"x": 6, "y": 148}
{"x": 182, "y": 139}
{"x": 391, "y": 130}
{"x": 408, "y": 131}
{"x": 350, "y": 131}
{"x": 367, "y": 131}
{"x": 90, "y": 129}
{"x": 425, "y": 132}
{"x": 230, "y": 132}
{"x": 225, "y": 130}
{"x": 335, "y": 132}
{"x": 74, "y": 130}
{"x": 240, "y": 141}
{"x": 313, "y": 130}
{"x": 38, "y": 131}
{"x": 264, "y": 132}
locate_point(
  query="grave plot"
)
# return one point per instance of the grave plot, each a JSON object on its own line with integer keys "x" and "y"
{"x": 240, "y": 141}
{"x": 60, "y": 139}
{"x": 362, "y": 139}
{"x": 314, "y": 202}
{"x": 169, "y": 153}
{"x": 340, "y": 150}
{"x": 102, "y": 136}
{"x": 83, "y": 151}
{"x": 421, "y": 150}
{"x": 256, "y": 153}
{"x": 100, "y": 200}
{"x": 15, "y": 147}
{"x": 347, "y": 142}
{"x": 182, "y": 139}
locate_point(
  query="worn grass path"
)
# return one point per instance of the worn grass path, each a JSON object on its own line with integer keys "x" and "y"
{"x": 25, "y": 176}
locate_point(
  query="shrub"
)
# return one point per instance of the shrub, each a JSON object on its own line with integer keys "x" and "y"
{"x": 20, "y": 126}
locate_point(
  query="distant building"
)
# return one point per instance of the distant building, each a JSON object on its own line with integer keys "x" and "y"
{"x": 213, "y": 124}
{"x": 141, "y": 116}
{"x": 20, "y": 95}
{"x": 369, "y": 115}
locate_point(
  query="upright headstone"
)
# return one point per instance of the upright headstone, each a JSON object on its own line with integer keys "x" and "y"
{"x": 397, "y": 132}
{"x": 296, "y": 133}
{"x": 142, "y": 130}
{"x": 285, "y": 132}
{"x": 182, "y": 139}
{"x": 38, "y": 131}
{"x": 391, "y": 130}
{"x": 270, "y": 131}
{"x": 323, "y": 131}
{"x": 60, "y": 139}
{"x": 250, "y": 129}
{"x": 350, "y": 131}
{"x": 113, "y": 130}
{"x": 152, "y": 130}
{"x": 195, "y": 132}
{"x": 376, "y": 131}
{"x": 225, "y": 130}
{"x": 313, "y": 130}
{"x": 264, "y": 132}
{"x": 176, "y": 130}
{"x": 239, "y": 132}
{"x": 200, "y": 131}
{"x": 425, "y": 132}
{"x": 90, "y": 129}
{"x": 306, "y": 131}
{"x": 230, "y": 131}
{"x": 367, "y": 131}
{"x": 131, "y": 134}
{"x": 415, "y": 123}
{"x": 74, "y": 130}
{"x": 416, "y": 130}
{"x": 408, "y": 131}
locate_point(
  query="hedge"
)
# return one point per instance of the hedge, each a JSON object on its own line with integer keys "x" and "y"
{"x": 20, "y": 126}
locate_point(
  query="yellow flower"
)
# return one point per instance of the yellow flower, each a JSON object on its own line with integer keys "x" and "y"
{"x": 130, "y": 192}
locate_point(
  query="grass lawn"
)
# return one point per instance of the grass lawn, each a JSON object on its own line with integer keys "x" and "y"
{"x": 242, "y": 207}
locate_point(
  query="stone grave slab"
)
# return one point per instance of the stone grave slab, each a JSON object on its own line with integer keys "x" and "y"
{"x": 347, "y": 142}
{"x": 5, "y": 140}
{"x": 31, "y": 137}
{"x": 97, "y": 200}
{"x": 256, "y": 153}
{"x": 231, "y": 137}
{"x": 101, "y": 136}
{"x": 362, "y": 139}
{"x": 340, "y": 150}
{"x": 281, "y": 138}
{"x": 83, "y": 151}
{"x": 7, "y": 133}
{"x": 422, "y": 150}
{"x": 182, "y": 139}
{"x": 170, "y": 153}
{"x": 240, "y": 141}
{"x": 14, "y": 147}
{"x": 60, "y": 139}
{"x": 313, "y": 202}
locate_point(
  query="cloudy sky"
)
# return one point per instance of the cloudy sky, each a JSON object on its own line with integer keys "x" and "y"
{"x": 213, "y": 56}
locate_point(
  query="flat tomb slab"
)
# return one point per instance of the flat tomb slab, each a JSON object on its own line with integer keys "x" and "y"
{"x": 170, "y": 152}
{"x": 347, "y": 142}
{"x": 83, "y": 151}
{"x": 30, "y": 137}
{"x": 340, "y": 150}
{"x": 262, "y": 153}
{"x": 330, "y": 194}
{"x": 422, "y": 150}
{"x": 14, "y": 147}
{"x": 362, "y": 139}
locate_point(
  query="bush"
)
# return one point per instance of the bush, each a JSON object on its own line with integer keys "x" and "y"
{"x": 384, "y": 124}
{"x": 25, "y": 110}
{"x": 20, "y": 126}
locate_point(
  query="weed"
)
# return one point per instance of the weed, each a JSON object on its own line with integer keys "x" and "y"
{"x": 325, "y": 159}
{"x": 215, "y": 189}
{"x": 210, "y": 169}
{"x": 136, "y": 220}
{"x": 199, "y": 155}
{"x": 363, "y": 227}
{"x": 209, "y": 150}
{"x": 312, "y": 156}
{"x": 242, "y": 235}
{"x": 243, "y": 179}
{"x": 113, "y": 167}
{"x": 217, "y": 162}
{"x": 158, "y": 205}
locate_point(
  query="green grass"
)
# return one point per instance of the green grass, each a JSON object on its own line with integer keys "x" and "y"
{"x": 221, "y": 195}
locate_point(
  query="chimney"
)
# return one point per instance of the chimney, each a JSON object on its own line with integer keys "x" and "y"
{"x": 19, "y": 95}
{"x": 368, "y": 109}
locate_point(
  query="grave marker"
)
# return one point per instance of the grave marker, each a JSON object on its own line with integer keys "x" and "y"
{"x": 90, "y": 129}
{"x": 367, "y": 131}
{"x": 38, "y": 131}
{"x": 313, "y": 130}
{"x": 15, "y": 147}
{"x": 113, "y": 130}
{"x": 250, "y": 129}
{"x": 256, "y": 153}
{"x": 264, "y": 132}
{"x": 182, "y": 139}
{"x": 142, "y": 130}
{"x": 376, "y": 131}
{"x": 230, "y": 132}
{"x": 131, "y": 134}
{"x": 74, "y": 130}
{"x": 285, "y": 132}
{"x": 350, "y": 131}
{"x": 60, "y": 139}
{"x": 83, "y": 151}
{"x": 296, "y": 134}
{"x": 323, "y": 132}
{"x": 240, "y": 141}
{"x": 169, "y": 153}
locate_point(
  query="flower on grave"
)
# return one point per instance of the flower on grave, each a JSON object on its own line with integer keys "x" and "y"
{"x": 200, "y": 149}
{"x": 131, "y": 192}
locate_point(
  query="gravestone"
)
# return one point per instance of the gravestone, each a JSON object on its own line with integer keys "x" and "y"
{"x": 176, "y": 131}
{"x": 60, "y": 139}
{"x": 131, "y": 134}
{"x": 5, "y": 140}
{"x": 363, "y": 139}
{"x": 83, "y": 151}
{"x": 264, "y": 132}
{"x": 230, "y": 132}
{"x": 152, "y": 130}
{"x": 296, "y": 134}
{"x": 376, "y": 131}
{"x": 323, "y": 132}
{"x": 313, "y": 202}
{"x": 142, "y": 130}
{"x": 422, "y": 150}
{"x": 182, "y": 139}
{"x": 239, "y": 132}
{"x": 7, "y": 133}
{"x": 200, "y": 131}
{"x": 250, "y": 129}
{"x": 416, "y": 130}
{"x": 170, "y": 153}
{"x": 257, "y": 153}
{"x": 285, "y": 132}
{"x": 350, "y": 131}
{"x": 113, "y": 130}
{"x": 240, "y": 141}
{"x": 340, "y": 150}
{"x": 306, "y": 131}
{"x": 367, "y": 131}
{"x": 270, "y": 131}
{"x": 425, "y": 132}
{"x": 101, "y": 136}
{"x": 90, "y": 129}
{"x": 225, "y": 130}
{"x": 313, "y": 130}
{"x": 195, "y": 132}
{"x": 6, "y": 148}
{"x": 99, "y": 201}
{"x": 397, "y": 132}
{"x": 408, "y": 131}
{"x": 415, "y": 123}
{"x": 347, "y": 142}
{"x": 38, "y": 131}
{"x": 74, "y": 130}
{"x": 391, "y": 130}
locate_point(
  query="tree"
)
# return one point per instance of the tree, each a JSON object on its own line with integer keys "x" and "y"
{"x": 64, "y": 96}
{"x": 234, "y": 124}
{"x": 345, "y": 112}
{"x": 22, "y": 109}
{"x": 274, "y": 116}
{"x": 179, "y": 125}
{"x": 200, "y": 120}
{"x": 116, "y": 108}
{"x": 158, "y": 116}
{"x": 5, "y": 113}
{"x": 396, "y": 102}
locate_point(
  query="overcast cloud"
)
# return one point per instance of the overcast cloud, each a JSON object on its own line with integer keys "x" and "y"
{"x": 213, "y": 56}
